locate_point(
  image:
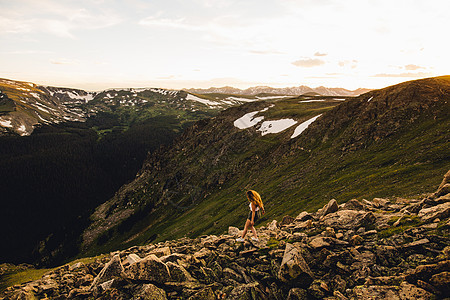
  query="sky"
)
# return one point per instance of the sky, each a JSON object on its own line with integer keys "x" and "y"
{"x": 177, "y": 44}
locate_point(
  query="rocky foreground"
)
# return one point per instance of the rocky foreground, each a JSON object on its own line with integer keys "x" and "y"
{"x": 379, "y": 249}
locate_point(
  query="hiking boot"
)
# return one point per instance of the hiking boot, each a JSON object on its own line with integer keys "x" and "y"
{"x": 241, "y": 240}
{"x": 255, "y": 239}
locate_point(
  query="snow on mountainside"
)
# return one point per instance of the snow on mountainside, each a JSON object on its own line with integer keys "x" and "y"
{"x": 23, "y": 105}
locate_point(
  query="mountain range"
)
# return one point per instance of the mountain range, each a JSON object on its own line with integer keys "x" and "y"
{"x": 294, "y": 91}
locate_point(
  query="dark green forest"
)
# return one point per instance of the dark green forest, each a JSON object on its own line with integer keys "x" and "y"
{"x": 52, "y": 180}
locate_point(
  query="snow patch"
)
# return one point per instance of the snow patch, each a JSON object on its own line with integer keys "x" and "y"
{"x": 5, "y": 123}
{"x": 272, "y": 97}
{"x": 317, "y": 100}
{"x": 240, "y": 99}
{"x": 22, "y": 130}
{"x": 276, "y": 126}
{"x": 300, "y": 128}
{"x": 204, "y": 101}
{"x": 36, "y": 95}
{"x": 370, "y": 99}
{"x": 248, "y": 120}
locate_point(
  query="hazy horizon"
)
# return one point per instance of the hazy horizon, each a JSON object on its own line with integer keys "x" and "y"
{"x": 96, "y": 45}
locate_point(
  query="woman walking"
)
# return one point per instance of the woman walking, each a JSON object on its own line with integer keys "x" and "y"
{"x": 256, "y": 207}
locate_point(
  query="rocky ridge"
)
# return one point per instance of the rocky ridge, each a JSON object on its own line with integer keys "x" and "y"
{"x": 379, "y": 249}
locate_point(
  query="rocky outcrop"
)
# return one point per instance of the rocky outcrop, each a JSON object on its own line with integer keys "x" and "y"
{"x": 379, "y": 249}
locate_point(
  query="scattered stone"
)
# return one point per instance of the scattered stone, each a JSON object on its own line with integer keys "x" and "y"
{"x": 329, "y": 208}
{"x": 332, "y": 254}
{"x": 273, "y": 226}
{"x": 234, "y": 231}
{"x": 294, "y": 268}
{"x": 353, "y": 204}
{"x": 164, "y": 251}
{"x": 151, "y": 292}
{"x": 112, "y": 269}
{"x": 297, "y": 294}
{"x": 150, "y": 268}
{"x": 133, "y": 258}
{"x": 440, "y": 211}
{"x": 303, "y": 216}
{"x": 286, "y": 220}
{"x": 203, "y": 294}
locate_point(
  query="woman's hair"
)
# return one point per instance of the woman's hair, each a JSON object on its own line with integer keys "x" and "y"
{"x": 254, "y": 197}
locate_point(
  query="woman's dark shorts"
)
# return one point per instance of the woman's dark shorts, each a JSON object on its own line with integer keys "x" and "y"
{"x": 250, "y": 216}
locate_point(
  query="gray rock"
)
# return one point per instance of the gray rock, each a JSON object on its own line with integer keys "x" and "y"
{"x": 150, "y": 268}
{"x": 440, "y": 211}
{"x": 294, "y": 268}
{"x": 107, "y": 285}
{"x": 303, "y": 216}
{"x": 150, "y": 292}
{"x": 133, "y": 258}
{"x": 203, "y": 294}
{"x": 246, "y": 291}
{"x": 411, "y": 292}
{"x": 297, "y": 294}
{"x": 233, "y": 231}
{"x": 163, "y": 251}
{"x": 329, "y": 208}
{"x": 273, "y": 225}
{"x": 178, "y": 273}
{"x": 112, "y": 269}
{"x": 353, "y": 204}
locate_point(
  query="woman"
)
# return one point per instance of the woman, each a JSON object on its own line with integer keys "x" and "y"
{"x": 255, "y": 205}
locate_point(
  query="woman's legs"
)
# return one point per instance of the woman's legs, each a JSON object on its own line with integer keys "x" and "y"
{"x": 254, "y": 232}
{"x": 252, "y": 228}
{"x": 247, "y": 225}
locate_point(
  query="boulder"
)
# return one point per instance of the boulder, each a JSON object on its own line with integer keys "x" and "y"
{"x": 440, "y": 211}
{"x": 203, "y": 294}
{"x": 150, "y": 292}
{"x": 163, "y": 251}
{"x": 294, "y": 268}
{"x": 297, "y": 294}
{"x": 444, "y": 187}
{"x": 379, "y": 202}
{"x": 411, "y": 292}
{"x": 246, "y": 291}
{"x": 113, "y": 268}
{"x": 133, "y": 258}
{"x": 233, "y": 231}
{"x": 303, "y": 216}
{"x": 273, "y": 226}
{"x": 353, "y": 204}
{"x": 287, "y": 220}
{"x": 441, "y": 281}
{"x": 349, "y": 219}
{"x": 150, "y": 268}
{"x": 329, "y": 208}
{"x": 178, "y": 273}
{"x": 318, "y": 289}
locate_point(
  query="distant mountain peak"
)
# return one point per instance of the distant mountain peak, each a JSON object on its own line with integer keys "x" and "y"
{"x": 292, "y": 91}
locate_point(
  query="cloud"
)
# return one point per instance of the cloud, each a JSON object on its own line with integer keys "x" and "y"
{"x": 320, "y": 54}
{"x": 54, "y": 17}
{"x": 62, "y": 61}
{"x": 265, "y": 52}
{"x": 308, "y": 62}
{"x": 407, "y": 75}
{"x": 179, "y": 23}
{"x": 353, "y": 63}
{"x": 413, "y": 67}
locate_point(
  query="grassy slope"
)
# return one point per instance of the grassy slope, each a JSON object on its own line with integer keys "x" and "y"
{"x": 405, "y": 155}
